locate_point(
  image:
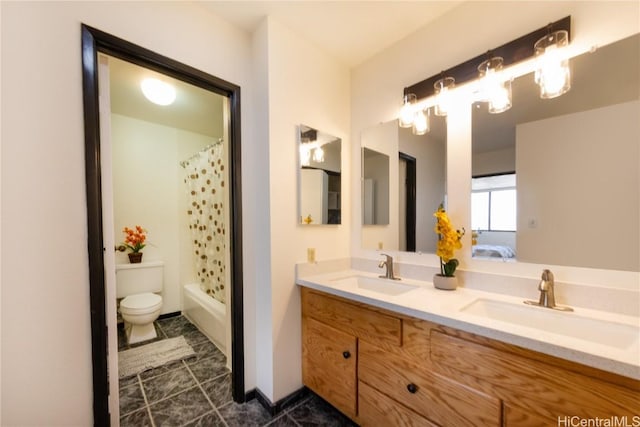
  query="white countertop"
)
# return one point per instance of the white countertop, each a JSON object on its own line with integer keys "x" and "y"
{"x": 444, "y": 307}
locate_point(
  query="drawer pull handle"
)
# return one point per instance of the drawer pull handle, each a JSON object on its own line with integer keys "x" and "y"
{"x": 346, "y": 354}
{"x": 412, "y": 388}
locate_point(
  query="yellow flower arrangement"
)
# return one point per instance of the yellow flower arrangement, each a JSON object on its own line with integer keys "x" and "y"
{"x": 449, "y": 239}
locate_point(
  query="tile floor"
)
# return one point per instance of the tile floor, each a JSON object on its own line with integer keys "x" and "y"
{"x": 197, "y": 392}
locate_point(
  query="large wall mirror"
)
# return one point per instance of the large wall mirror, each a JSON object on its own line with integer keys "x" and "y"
{"x": 556, "y": 181}
{"x": 320, "y": 199}
{"x": 415, "y": 184}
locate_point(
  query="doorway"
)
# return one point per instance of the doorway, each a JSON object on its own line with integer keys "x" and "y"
{"x": 407, "y": 192}
{"x": 95, "y": 42}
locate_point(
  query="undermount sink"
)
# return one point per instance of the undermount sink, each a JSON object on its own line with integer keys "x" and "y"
{"x": 379, "y": 285}
{"x": 619, "y": 335}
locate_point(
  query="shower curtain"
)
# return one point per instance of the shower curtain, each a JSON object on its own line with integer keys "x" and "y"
{"x": 205, "y": 174}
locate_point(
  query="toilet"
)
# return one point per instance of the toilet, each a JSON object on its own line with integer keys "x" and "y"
{"x": 139, "y": 286}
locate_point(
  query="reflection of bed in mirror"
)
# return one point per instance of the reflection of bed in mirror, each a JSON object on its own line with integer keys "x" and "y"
{"x": 493, "y": 251}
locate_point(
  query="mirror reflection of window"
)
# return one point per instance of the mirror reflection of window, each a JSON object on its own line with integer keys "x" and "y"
{"x": 320, "y": 200}
{"x": 493, "y": 215}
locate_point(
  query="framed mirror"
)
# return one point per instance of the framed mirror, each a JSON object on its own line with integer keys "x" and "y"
{"x": 320, "y": 200}
{"x": 557, "y": 181}
{"x": 416, "y": 184}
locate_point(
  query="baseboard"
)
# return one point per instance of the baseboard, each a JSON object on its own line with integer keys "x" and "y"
{"x": 168, "y": 315}
{"x": 282, "y": 404}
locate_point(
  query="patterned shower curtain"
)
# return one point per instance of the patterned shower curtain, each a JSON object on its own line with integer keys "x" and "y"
{"x": 205, "y": 174}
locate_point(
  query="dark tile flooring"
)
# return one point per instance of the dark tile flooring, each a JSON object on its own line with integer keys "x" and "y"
{"x": 197, "y": 392}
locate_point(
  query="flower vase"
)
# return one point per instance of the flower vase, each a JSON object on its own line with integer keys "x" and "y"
{"x": 135, "y": 257}
{"x": 447, "y": 283}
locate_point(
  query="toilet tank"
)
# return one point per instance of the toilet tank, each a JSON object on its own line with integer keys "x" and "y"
{"x": 138, "y": 278}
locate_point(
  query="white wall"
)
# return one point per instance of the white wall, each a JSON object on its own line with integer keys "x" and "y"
{"x": 377, "y": 88}
{"x": 494, "y": 162}
{"x": 46, "y": 351}
{"x": 562, "y": 162}
{"x": 149, "y": 190}
{"x": 304, "y": 85}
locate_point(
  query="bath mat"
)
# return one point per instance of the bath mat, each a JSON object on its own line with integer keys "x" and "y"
{"x": 149, "y": 356}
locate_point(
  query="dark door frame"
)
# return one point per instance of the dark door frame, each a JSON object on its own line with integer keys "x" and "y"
{"x": 410, "y": 211}
{"x": 94, "y": 41}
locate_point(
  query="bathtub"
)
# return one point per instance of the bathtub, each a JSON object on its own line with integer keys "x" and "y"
{"x": 207, "y": 314}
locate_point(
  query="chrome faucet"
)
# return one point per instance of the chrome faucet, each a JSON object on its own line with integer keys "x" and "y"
{"x": 547, "y": 295}
{"x": 388, "y": 263}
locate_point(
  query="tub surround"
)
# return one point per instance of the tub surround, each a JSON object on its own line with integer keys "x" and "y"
{"x": 444, "y": 307}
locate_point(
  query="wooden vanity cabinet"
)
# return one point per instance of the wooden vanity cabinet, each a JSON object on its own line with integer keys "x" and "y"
{"x": 403, "y": 371}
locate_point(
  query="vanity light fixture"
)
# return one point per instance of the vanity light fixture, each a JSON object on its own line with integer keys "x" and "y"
{"x": 407, "y": 113}
{"x": 421, "y": 122}
{"x": 494, "y": 88}
{"x": 442, "y": 89}
{"x": 552, "y": 69}
{"x": 157, "y": 91}
{"x": 545, "y": 50}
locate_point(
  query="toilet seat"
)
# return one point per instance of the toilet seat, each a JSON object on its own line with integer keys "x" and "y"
{"x": 140, "y": 303}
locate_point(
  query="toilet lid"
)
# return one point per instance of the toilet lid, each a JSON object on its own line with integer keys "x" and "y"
{"x": 139, "y": 301}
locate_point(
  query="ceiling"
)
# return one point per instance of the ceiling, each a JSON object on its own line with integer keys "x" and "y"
{"x": 194, "y": 110}
{"x": 352, "y": 31}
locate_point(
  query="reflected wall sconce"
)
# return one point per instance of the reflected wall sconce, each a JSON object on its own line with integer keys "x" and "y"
{"x": 495, "y": 89}
{"x": 553, "y": 74}
{"x": 547, "y": 46}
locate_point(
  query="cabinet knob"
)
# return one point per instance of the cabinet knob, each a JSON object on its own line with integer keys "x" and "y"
{"x": 346, "y": 354}
{"x": 412, "y": 388}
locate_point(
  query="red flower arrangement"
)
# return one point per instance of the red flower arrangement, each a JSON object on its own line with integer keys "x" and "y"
{"x": 135, "y": 238}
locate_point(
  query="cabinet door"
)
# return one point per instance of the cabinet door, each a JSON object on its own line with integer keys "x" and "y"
{"x": 329, "y": 364}
{"x": 377, "y": 409}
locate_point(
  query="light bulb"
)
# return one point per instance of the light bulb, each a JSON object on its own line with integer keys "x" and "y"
{"x": 553, "y": 74}
{"x": 405, "y": 119}
{"x": 443, "y": 97}
{"x": 420, "y": 123}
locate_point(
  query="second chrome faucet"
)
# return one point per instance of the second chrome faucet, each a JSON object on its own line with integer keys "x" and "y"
{"x": 388, "y": 263}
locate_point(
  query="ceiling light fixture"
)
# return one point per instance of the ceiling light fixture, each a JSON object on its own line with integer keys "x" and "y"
{"x": 552, "y": 71}
{"x": 158, "y": 92}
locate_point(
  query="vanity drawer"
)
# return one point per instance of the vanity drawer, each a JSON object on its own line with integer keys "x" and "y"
{"x": 432, "y": 396}
{"x": 356, "y": 320}
{"x": 547, "y": 391}
{"x": 376, "y": 409}
{"x": 329, "y": 359}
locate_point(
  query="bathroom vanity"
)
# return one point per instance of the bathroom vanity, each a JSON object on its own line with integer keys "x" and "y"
{"x": 383, "y": 361}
